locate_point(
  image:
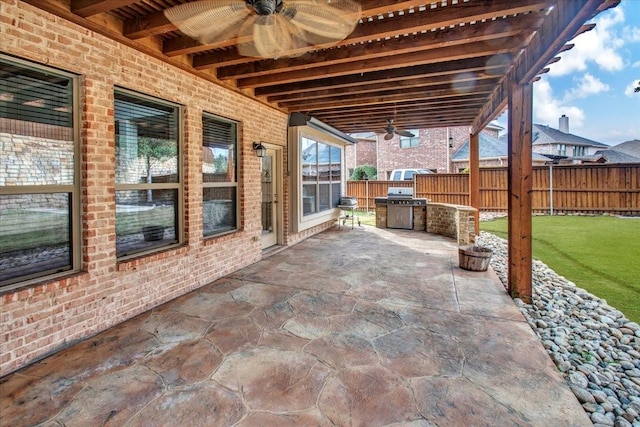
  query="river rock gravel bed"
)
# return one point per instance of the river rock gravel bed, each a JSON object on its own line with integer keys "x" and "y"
{"x": 593, "y": 345}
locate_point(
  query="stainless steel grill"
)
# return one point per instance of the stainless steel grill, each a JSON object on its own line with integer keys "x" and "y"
{"x": 400, "y": 203}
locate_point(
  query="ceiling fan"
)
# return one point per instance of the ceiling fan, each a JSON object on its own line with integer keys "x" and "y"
{"x": 268, "y": 28}
{"x": 392, "y": 130}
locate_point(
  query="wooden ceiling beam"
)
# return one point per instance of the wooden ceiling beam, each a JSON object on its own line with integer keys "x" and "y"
{"x": 403, "y": 120}
{"x": 472, "y": 50}
{"x": 474, "y": 65}
{"x": 448, "y": 37}
{"x": 147, "y": 26}
{"x": 359, "y": 112}
{"x": 86, "y": 8}
{"x": 157, "y": 23}
{"x": 407, "y": 23}
{"x": 310, "y": 106}
{"x": 459, "y": 81}
{"x": 409, "y": 92}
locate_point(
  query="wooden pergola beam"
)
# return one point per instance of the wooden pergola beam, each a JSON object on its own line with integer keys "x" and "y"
{"x": 519, "y": 281}
{"x": 474, "y": 178}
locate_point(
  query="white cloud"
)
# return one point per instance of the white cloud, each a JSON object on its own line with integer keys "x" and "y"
{"x": 586, "y": 85}
{"x": 630, "y": 89}
{"x": 547, "y": 109}
{"x": 631, "y": 34}
{"x": 635, "y": 64}
{"x": 600, "y": 46}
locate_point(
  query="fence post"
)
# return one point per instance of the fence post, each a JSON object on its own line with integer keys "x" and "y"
{"x": 550, "y": 189}
{"x": 366, "y": 194}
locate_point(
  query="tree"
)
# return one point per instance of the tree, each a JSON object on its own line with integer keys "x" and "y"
{"x": 154, "y": 150}
{"x": 364, "y": 172}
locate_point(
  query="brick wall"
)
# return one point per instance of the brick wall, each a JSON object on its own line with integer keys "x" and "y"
{"x": 431, "y": 153}
{"x": 362, "y": 153}
{"x": 43, "y": 318}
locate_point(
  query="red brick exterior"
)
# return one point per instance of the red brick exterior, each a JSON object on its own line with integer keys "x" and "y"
{"x": 431, "y": 153}
{"x": 43, "y": 318}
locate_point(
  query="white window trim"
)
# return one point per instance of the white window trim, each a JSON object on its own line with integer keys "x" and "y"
{"x": 299, "y": 221}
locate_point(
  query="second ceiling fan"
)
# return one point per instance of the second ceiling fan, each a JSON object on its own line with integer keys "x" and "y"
{"x": 391, "y": 130}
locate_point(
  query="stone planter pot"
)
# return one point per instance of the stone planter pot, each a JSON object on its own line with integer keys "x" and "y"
{"x": 153, "y": 232}
{"x": 474, "y": 258}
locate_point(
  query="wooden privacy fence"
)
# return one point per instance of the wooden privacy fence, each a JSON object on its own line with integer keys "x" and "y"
{"x": 608, "y": 188}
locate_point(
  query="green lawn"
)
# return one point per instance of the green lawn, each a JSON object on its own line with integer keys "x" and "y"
{"x": 600, "y": 254}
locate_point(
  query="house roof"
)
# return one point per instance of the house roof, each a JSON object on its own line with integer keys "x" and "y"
{"x": 424, "y": 64}
{"x": 631, "y": 148}
{"x": 490, "y": 148}
{"x": 615, "y": 156}
{"x": 542, "y": 135}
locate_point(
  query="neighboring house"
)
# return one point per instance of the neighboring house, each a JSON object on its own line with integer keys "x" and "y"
{"x": 492, "y": 152}
{"x": 562, "y": 146}
{"x": 626, "y": 152}
{"x": 428, "y": 149}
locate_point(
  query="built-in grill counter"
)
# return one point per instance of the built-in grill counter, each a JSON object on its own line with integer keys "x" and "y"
{"x": 400, "y": 210}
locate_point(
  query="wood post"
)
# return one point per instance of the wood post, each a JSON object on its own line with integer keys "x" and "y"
{"x": 520, "y": 186}
{"x": 474, "y": 178}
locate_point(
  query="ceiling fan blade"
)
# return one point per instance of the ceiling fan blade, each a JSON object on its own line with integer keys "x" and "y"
{"x": 388, "y": 136}
{"x": 209, "y": 21}
{"x": 405, "y": 133}
{"x": 270, "y": 36}
{"x": 324, "y": 22}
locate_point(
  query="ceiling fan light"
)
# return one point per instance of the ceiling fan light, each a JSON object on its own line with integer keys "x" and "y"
{"x": 265, "y": 7}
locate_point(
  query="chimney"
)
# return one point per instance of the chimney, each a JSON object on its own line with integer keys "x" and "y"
{"x": 564, "y": 124}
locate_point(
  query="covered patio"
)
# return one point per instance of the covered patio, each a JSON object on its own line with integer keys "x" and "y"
{"x": 361, "y": 327}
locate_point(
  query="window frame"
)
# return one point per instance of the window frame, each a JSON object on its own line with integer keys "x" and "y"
{"x": 178, "y": 186}
{"x": 74, "y": 189}
{"x": 235, "y": 184}
{"x": 410, "y": 142}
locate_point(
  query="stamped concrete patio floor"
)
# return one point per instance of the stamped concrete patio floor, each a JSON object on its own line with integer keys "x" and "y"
{"x": 362, "y": 327}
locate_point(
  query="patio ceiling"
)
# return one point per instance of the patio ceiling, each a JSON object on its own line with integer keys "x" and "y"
{"x": 424, "y": 64}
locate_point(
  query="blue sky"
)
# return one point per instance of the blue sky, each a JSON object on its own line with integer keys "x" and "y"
{"x": 593, "y": 82}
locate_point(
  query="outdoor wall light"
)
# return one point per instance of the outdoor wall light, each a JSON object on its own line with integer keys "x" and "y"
{"x": 450, "y": 142}
{"x": 260, "y": 150}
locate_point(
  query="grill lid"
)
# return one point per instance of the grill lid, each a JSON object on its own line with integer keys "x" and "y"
{"x": 400, "y": 193}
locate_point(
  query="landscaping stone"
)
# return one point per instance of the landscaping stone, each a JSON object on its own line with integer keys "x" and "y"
{"x": 593, "y": 345}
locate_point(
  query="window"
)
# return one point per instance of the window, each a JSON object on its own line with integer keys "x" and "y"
{"x": 39, "y": 170}
{"x": 578, "y": 151}
{"x": 321, "y": 166}
{"x": 409, "y": 142}
{"x": 148, "y": 174}
{"x": 219, "y": 175}
{"x": 562, "y": 150}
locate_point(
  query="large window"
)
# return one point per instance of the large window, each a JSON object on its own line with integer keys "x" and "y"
{"x": 148, "y": 174}
{"x": 321, "y": 166}
{"x": 219, "y": 175}
{"x": 39, "y": 192}
{"x": 578, "y": 151}
{"x": 409, "y": 142}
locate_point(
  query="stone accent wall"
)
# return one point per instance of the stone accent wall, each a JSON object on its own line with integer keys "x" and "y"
{"x": 454, "y": 221}
{"x": 44, "y": 317}
{"x": 381, "y": 216}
